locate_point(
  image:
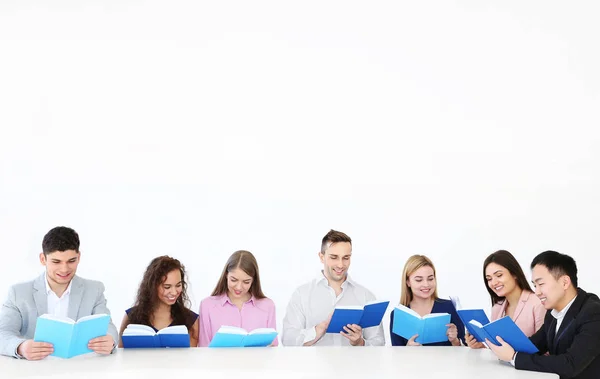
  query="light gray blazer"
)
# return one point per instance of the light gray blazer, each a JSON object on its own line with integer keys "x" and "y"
{"x": 26, "y": 301}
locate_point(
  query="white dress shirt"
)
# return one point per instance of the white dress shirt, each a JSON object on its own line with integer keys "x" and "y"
{"x": 312, "y": 303}
{"x": 559, "y": 316}
{"x": 58, "y": 306}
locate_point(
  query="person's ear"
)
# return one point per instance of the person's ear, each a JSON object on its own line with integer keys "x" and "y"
{"x": 322, "y": 257}
{"x": 43, "y": 259}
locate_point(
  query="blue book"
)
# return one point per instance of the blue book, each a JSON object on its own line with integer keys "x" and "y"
{"x": 143, "y": 337}
{"x": 506, "y": 328}
{"x": 431, "y": 328}
{"x": 466, "y": 315}
{"x": 366, "y": 316}
{"x": 69, "y": 337}
{"x": 231, "y": 336}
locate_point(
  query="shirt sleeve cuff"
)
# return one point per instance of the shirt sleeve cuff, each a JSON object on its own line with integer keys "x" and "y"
{"x": 309, "y": 334}
{"x": 512, "y": 362}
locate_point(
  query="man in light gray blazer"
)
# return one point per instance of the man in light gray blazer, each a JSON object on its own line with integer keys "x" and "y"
{"x": 59, "y": 292}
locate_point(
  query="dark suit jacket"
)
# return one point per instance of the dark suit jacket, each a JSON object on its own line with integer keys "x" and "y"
{"x": 574, "y": 352}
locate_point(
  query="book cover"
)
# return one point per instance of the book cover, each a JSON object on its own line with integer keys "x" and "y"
{"x": 69, "y": 337}
{"x": 230, "y": 336}
{"x": 466, "y": 315}
{"x": 144, "y": 337}
{"x": 366, "y": 316}
{"x": 431, "y": 328}
{"x": 506, "y": 328}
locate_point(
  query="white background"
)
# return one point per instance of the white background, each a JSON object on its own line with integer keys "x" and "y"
{"x": 197, "y": 128}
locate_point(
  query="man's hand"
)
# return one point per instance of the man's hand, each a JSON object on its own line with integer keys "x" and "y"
{"x": 504, "y": 352}
{"x": 321, "y": 327}
{"x": 102, "y": 345}
{"x": 34, "y": 351}
{"x": 353, "y": 333}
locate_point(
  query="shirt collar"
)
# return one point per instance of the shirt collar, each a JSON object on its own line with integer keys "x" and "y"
{"x": 322, "y": 279}
{"x": 558, "y": 315}
{"x": 48, "y": 289}
{"x": 225, "y": 299}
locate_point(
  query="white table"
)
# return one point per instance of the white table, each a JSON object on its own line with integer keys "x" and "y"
{"x": 281, "y": 362}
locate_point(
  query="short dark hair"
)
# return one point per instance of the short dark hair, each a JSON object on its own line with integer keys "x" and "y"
{"x": 558, "y": 264}
{"x": 333, "y": 236}
{"x": 508, "y": 261}
{"x": 60, "y": 238}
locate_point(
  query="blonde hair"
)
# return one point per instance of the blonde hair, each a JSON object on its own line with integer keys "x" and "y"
{"x": 413, "y": 264}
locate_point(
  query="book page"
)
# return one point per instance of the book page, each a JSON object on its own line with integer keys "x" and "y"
{"x": 408, "y": 310}
{"x": 138, "y": 330}
{"x": 66, "y": 320}
{"x": 433, "y": 315}
{"x": 175, "y": 329}
{"x": 263, "y": 331}
{"x": 91, "y": 317}
{"x": 231, "y": 330}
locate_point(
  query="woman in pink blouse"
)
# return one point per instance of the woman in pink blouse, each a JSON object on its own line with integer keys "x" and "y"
{"x": 511, "y": 295}
{"x": 237, "y": 300}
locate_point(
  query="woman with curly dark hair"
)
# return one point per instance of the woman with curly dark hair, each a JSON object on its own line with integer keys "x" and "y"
{"x": 162, "y": 299}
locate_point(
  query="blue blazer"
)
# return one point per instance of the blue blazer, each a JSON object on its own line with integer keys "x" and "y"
{"x": 439, "y": 306}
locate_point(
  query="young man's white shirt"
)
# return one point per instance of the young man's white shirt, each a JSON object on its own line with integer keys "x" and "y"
{"x": 313, "y": 302}
{"x": 58, "y": 306}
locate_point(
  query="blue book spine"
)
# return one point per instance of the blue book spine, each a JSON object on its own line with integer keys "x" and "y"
{"x": 343, "y": 317}
{"x": 373, "y": 314}
{"x": 259, "y": 340}
{"x": 227, "y": 340}
{"x": 174, "y": 340}
{"x": 86, "y": 331}
{"x": 434, "y": 330}
{"x": 140, "y": 342}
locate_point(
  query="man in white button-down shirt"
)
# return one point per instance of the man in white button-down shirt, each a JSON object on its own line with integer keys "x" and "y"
{"x": 58, "y": 291}
{"x": 312, "y": 304}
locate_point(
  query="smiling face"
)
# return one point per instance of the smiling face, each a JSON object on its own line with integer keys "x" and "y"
{"x": 552, "y": 292}
{"x": 336, "y": 261}
{"x": 61, "y": 266}
{"x": 422, "y": 282}
{"x": 170, "y": 290}
{"x": 500, "y": 280}
{"x": 238, "y": 285}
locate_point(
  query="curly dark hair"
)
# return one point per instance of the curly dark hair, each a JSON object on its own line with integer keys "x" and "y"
{"x": 147, "y": 297}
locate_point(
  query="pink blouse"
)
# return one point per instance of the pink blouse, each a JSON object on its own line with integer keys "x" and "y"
{"x": 217, "y": 311}
{"x": 529, "y": 314}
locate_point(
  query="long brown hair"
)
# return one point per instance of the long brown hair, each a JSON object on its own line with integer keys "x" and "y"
{"x": 508, "y": 261}
{"x": 245, "y": 261}
{"x": 147, "y": 296}
{"x": 413, "y": 264}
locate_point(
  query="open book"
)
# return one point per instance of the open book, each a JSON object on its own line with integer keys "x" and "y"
{"x": 366, "y": 316}
{"x": 143, "y": 336}
{"x": 69, "y": 337}
{"x": 506, "y": 328}
{"x": 231, "y": 336}
{"x": 431, "y": 328}
{"x": 467, "y": 315}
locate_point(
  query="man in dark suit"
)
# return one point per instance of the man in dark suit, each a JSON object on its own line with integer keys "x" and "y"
{"x": 569, "y": 340}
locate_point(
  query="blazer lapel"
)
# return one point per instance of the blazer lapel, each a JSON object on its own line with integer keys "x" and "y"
{"x": 75, "y": 298}
{"x": 569, "y": 317}
{"x": 40, "y": 297}
{"x": 522, "y": 301}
